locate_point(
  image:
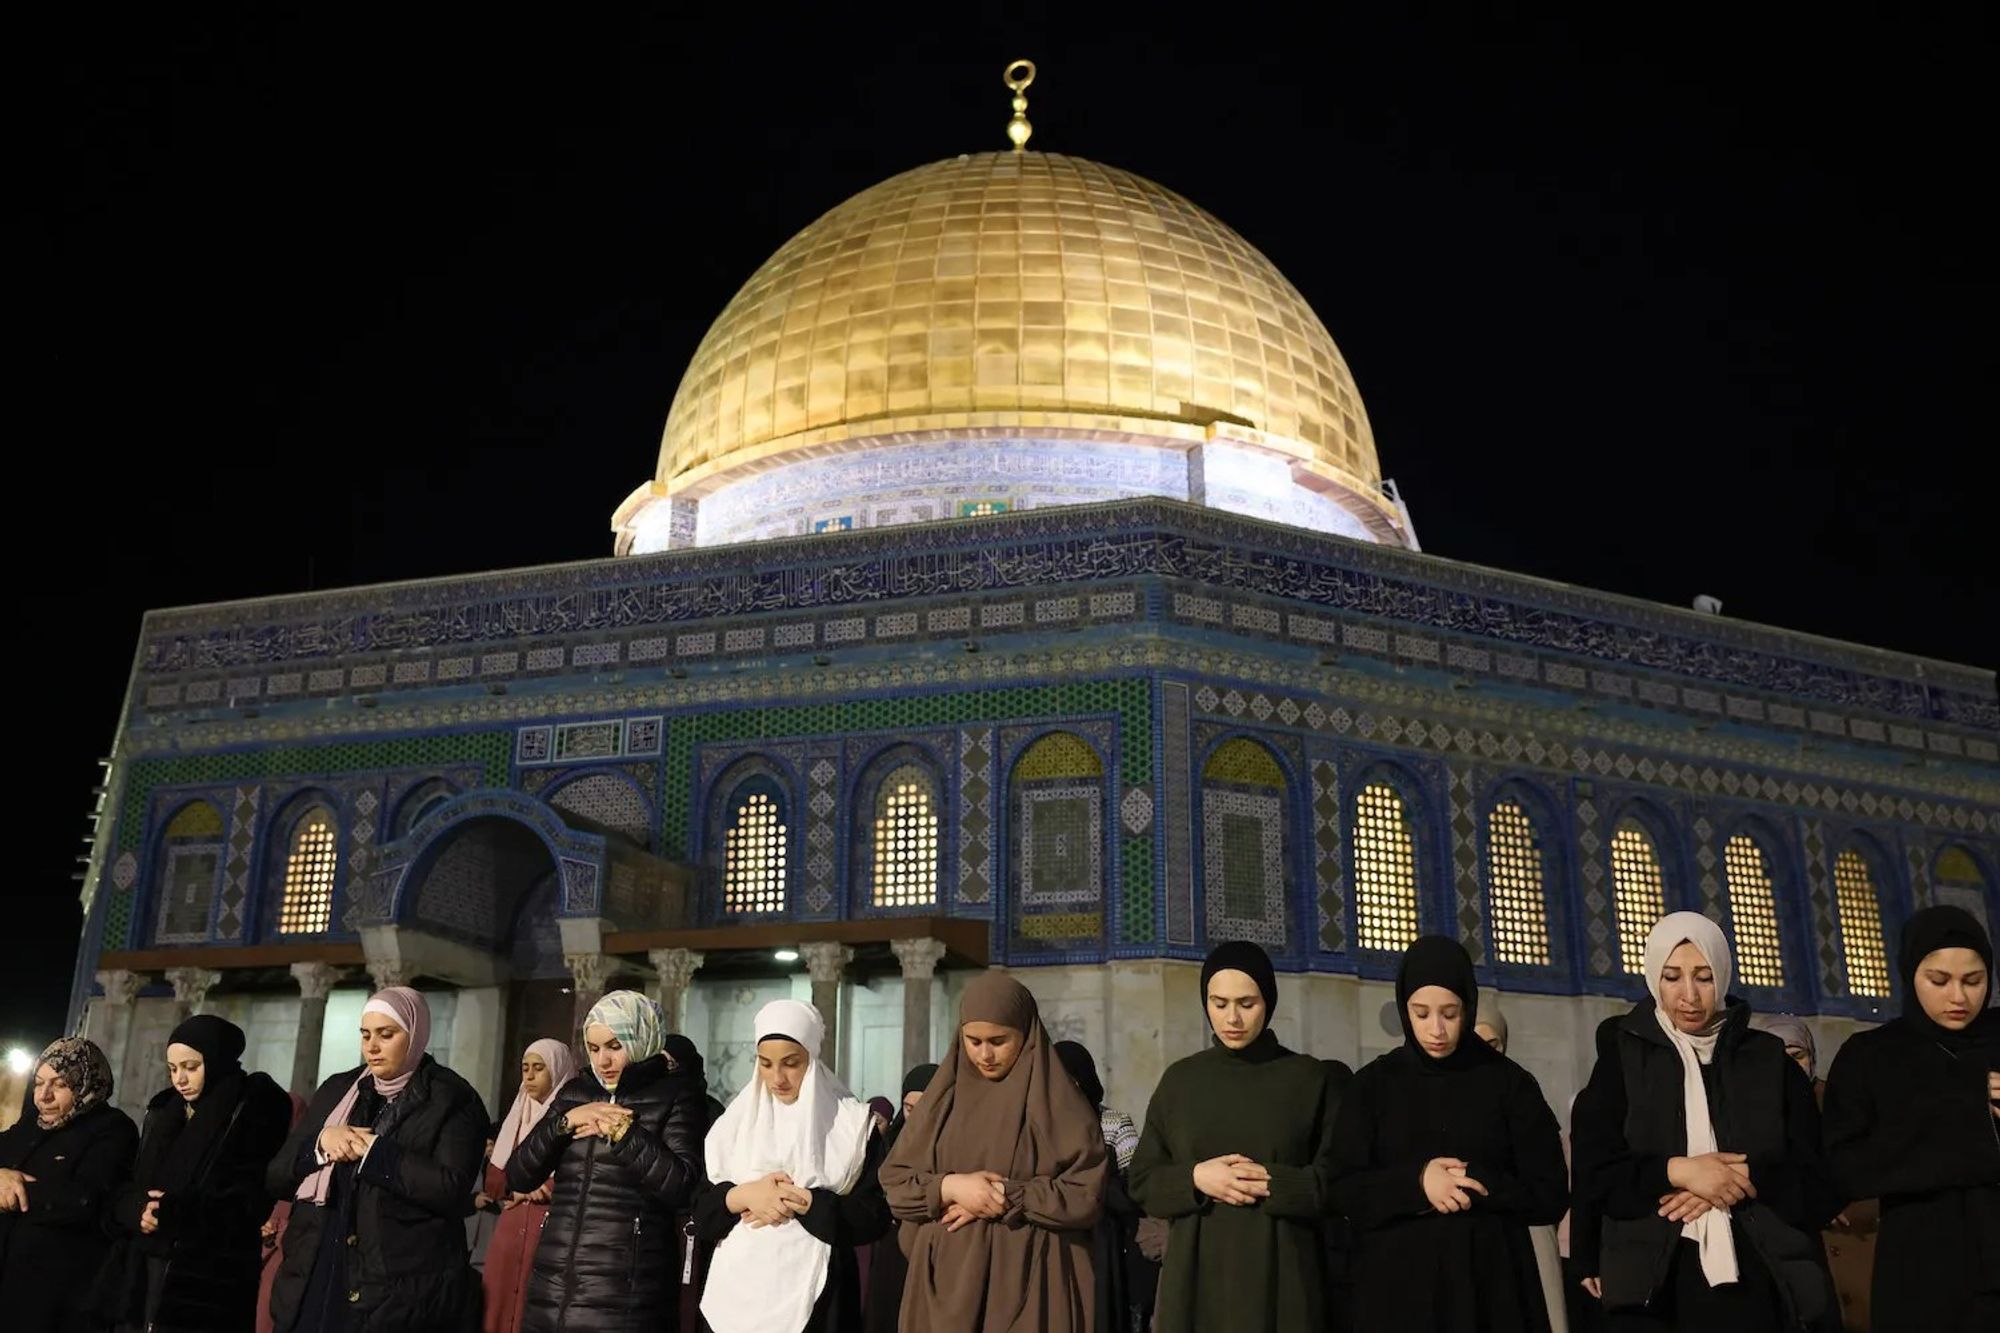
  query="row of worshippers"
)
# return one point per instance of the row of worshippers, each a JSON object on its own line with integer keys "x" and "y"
{"x": 1703, "y": 1173}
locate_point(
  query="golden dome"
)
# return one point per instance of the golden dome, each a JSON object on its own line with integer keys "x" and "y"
{"x": 1016, "y": 290}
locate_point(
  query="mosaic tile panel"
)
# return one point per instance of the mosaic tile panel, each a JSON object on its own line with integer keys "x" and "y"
{"x": 821, "y": 823}
{"x": 1470, "y": 919}
{"x": 1326, "y": 856}
{"x": 236, "y": 869}
{"x": 1177, "y": 784}
{"x": 975, "y": 815}
{"x": 1243, "y": 866}
{"x": 609, "y": 802}
{"x": 1600, "y": 929}
{"x": 1820, "y": 891}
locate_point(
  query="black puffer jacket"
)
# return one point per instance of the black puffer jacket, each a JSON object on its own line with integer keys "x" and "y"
{"x": 49, "y": 1253}
{"x": 610, "y": 1255}
{"x": 1630, "y": 1120}
{"x": 404, "y": 1208}
{"x": 206, "y": 1254}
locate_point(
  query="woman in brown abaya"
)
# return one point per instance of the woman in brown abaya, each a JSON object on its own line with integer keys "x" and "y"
{"x": 998, "y": 1179}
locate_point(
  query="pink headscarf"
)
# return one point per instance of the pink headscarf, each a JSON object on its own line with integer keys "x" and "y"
{"x": 410, "y": 1012}
{"x": 526, "y": 1112}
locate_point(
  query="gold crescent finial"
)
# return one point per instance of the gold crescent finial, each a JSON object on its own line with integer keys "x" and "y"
{"x": 1018, "y": 76}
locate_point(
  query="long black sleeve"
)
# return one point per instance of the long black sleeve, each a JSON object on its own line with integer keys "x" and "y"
{"x": 1621, "y": 1182}
{"x": 1797, "y": 1184}
{"x": 669, "y": 1166}
{"x": 534, "y": 1158}
{"x": 1907, "y": 1121}
{"x": 1372, "y": 1193}
{"x": 1536, "y": 1188}
{"x": 856, "y": 1218}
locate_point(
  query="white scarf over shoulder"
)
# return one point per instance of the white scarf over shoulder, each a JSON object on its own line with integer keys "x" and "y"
{"x": 767, "y": 1279}
{"x": 1710, "y": 1232}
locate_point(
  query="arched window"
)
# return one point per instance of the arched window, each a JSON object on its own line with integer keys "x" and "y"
{"x": 1957, "y": 881}
{"x": 1057, "y": 788}
{"x": 1639, "y": 891}
{"x": 1517, "y": 900}
{"x": 1753, "y": 910}
{"x": 312, "y": 858}
{"x": 190, "y": 870}
{"x": 1862, "y": 943}
{"x": 1385, "y": 870}
{"x": 755, "y": 842}
{"x": 905, "y": 840}
{"x": 1244, "y": 840}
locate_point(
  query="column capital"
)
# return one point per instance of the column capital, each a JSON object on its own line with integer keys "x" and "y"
{"x": 192, "y": 984}
{"x": 826, "y": 960}
{"x": 315, "y": 980}
{"x": 121, "y": 985}
{"x": 387, "y": 972}
{"x": 591, "y": 971}
{"x": 675, "y": 966}
{"x": 919, "y": 957}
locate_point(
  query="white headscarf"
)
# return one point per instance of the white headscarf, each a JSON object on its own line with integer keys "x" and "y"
{"x": 523, "y": 1115}
{"x": 1710, "y": 1232}
{"x": 767, "y": 1279}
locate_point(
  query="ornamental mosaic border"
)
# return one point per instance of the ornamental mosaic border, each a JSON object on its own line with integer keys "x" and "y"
{"x": 1035, "y": 669}
{"x": 1026, "y": 550}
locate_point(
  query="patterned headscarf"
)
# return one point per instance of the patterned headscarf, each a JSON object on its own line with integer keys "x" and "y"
{"x": 633, "y": 1019}
{"x": 83, "y": 1067}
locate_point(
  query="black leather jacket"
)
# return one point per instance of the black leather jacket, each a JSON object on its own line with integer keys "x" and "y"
{"x": 609, "y": 1257}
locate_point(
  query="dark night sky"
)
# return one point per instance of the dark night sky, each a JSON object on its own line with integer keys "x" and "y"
{"x": 313, "y": 301}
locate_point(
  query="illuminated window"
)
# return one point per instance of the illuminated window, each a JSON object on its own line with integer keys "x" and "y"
{"x": 1753, "y": 907}
{"x": 307, "y": 905}
{"x": 753, "y": 856}
{"x": 1518, "y": 906}
{"x": 1860, "y": 925}
{"x": 906, "y": 840}
{"x": 1385, "y": 870}
{"x": 845, "y": 523}
{"x": 980, "y": 508}
{"x": 1639, "y": 892}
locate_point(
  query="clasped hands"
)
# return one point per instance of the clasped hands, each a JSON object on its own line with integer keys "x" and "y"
{"x": 1449, "y": 1186}
{"x": 1233, "y": 1179}
{"x": 345, "y": 1143}
{"x": 605, "y": 1120}
{"x": 770, "y": 1201}
{"x": 972, "y": 1196}
{"x": 1710, "y": 1180}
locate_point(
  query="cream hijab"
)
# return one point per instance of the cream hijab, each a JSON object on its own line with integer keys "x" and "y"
{"x": 767, "y": 1279}
{"x": 526, "y": 1112}
{"x": 1710, "y": 1231}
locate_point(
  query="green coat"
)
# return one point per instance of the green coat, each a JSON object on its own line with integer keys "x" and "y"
{"x": 1250, "y": 1268}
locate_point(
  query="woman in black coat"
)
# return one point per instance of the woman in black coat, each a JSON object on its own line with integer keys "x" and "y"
{"x": 623, "y": 1141}
{"x": 380, "y": 1171}
{"x": 888, "y": 1267}
{"x": 1445, "y": 1155}
{"x": 187, "y": 1224}
{"x": 1698, "y": 1157}
{"x": 1912, "y": 1110}
{"x": 58, "y": 1164}
{"x": 1118, "y": 1225}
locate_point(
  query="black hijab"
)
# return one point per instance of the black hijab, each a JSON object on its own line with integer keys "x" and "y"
{"x": 1435, "y": 960}
{"x": 1924, "y": 934}
{"x": 177, "y": 1144}
{"x": 1251, "y": 960}
{"x": 1082, "y": 1070}
{"x": 687, "y": 1059}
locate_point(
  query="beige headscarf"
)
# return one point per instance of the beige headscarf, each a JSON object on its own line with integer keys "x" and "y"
{"x": 1710, "y": 1231}
{"x": 1028, "y": 1271}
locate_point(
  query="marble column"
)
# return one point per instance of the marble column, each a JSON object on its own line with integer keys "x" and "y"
{"x": 919, "y": 958}
{"x": 191, "y": 988}
{"x": 826, "y": 961}
{"x": 108, "y": 1022}
{"x": 387, "y": 972}
{"x": 591, "y": 972}
{"x": 316, "y": 982}
{"x": 676, "y": 968}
